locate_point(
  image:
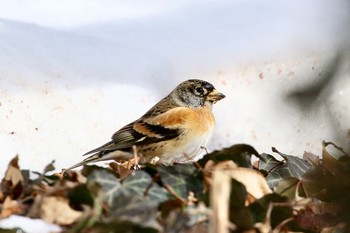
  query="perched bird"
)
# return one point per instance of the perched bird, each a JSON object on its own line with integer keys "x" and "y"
{"x": 173, "y": 131}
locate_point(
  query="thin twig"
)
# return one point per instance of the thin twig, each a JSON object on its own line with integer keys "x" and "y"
{"x": 134, "y": 150}
{"x": 204, "y": 148}
{"x": 276, "y": 166}
{"x": 194, "y": 162}
{"x": 269, "y": 210}
{"x": 172, "y": 191}
{"x": 154, "y": 178}
{"x": 281, "y": 224}
{"x": 268, "y": 214}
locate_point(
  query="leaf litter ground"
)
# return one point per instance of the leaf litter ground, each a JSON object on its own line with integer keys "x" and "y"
{"x": 223, "y": 192}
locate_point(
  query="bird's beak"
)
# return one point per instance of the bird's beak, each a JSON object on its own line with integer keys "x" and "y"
{"x": 215, "y": 96}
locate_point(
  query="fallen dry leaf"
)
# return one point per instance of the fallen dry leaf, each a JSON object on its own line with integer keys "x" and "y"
{"x": 13, "y": 173}
{"x": 57, "y": 210}
{"x": 338, "y": 228}
{"x": 225, "y": 165}
{"x": 210, "y": 166}
{"x": 163, "y": 198}
{"x": 12, "y": 183}
{"x": 2, "y": 196}
{"x": 329, "y": 162}
{"x": 121, "y": 169}
{"x": 253, "y": 180}
{"x": 10, "y": 207}
{"x": 220, "y": 190}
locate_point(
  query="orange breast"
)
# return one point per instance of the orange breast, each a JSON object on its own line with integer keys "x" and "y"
{"x": 196, "y": 125}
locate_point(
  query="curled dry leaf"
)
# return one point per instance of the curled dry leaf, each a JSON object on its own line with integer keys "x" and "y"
{"x": 220, "y": 190}
{"x": 2, "y": 196}
{"x": 253, "y": 180}
{"x": 225, "y": 165}
{"x": 317, "y": 215}
{"x": 329, "y": 162}
{"x": 56, "y": 209}
{"x": 312, "y": 159}
{"x": 341, "y": 227}
{"x": 131, "y": 162}
{"x": 10, "y": 207}
{"x": 263, "y": 227}
{"x": 136, "y": 199}
{"x": 13, "y": 173}
{"x": 12, "y": 183}
{"x": 210, "y": 166}
{"x": 225, "y": 209}
{"x": 124, "y": 169}
{"x": 121, "y": 169}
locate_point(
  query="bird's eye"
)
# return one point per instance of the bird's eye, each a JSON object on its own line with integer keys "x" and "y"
{"x": 199, "y": 90}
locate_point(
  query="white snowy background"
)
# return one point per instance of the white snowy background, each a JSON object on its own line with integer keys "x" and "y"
{"x": 72, "y": 72}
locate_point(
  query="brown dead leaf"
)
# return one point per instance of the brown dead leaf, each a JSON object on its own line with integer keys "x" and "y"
{"x": 210, "y": 166}
{"x": 2, "y": 196}
{"x": 312, "y": 159}
{"x": 72, "y": 176}
{"x": 263, "y": 227}
{"x": 225, "y": 165}
{"x": 253, "y": 180}
{"x": 317, "y": 215}
{"x": 329, "y": 162}
{"x": 12, "y": 183}
{"x": 219, "y": 176}
{"x": 338, "y": 228}
{"x": 132, "y": 162}
{"x": 54, "y": 209}
{"x": 10, "y": 207}
{"x": 121, "y": 169}
{"x": 13, "y": 173}
{"x": 220, "y": 190}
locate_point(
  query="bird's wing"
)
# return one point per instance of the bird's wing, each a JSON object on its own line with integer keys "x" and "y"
{"x": 145, "y": 131}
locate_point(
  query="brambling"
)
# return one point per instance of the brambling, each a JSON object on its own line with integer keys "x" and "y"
{"x": 173, "y": 131}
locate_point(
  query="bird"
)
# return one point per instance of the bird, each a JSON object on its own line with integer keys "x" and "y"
{"x": 175, "y": 130}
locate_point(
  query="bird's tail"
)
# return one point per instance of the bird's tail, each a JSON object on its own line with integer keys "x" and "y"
{"x": 97, "y": 157}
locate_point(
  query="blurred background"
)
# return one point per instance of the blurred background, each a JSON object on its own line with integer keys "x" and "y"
{"x": 72, "y": 72}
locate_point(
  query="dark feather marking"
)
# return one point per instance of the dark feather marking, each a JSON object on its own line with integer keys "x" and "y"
{"x": 162, "y": 131}
{"x": 126, "y": 137}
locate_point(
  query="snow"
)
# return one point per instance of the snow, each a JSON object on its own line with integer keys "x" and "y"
{"x": 28, "y": 225}
{"x": 74, "y": 72}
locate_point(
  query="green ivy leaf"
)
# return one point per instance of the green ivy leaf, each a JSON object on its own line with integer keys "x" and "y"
{"x": 287, "y": 187}
{"x": 135, "y": 209}
{"x": 139, "y": 181}
{"x": 183, "y": 178}
{"x": 108, "y": 181}
{"x": 292, "y": 166}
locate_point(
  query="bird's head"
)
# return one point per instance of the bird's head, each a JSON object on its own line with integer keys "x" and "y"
{"x": 196, "y": 93}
